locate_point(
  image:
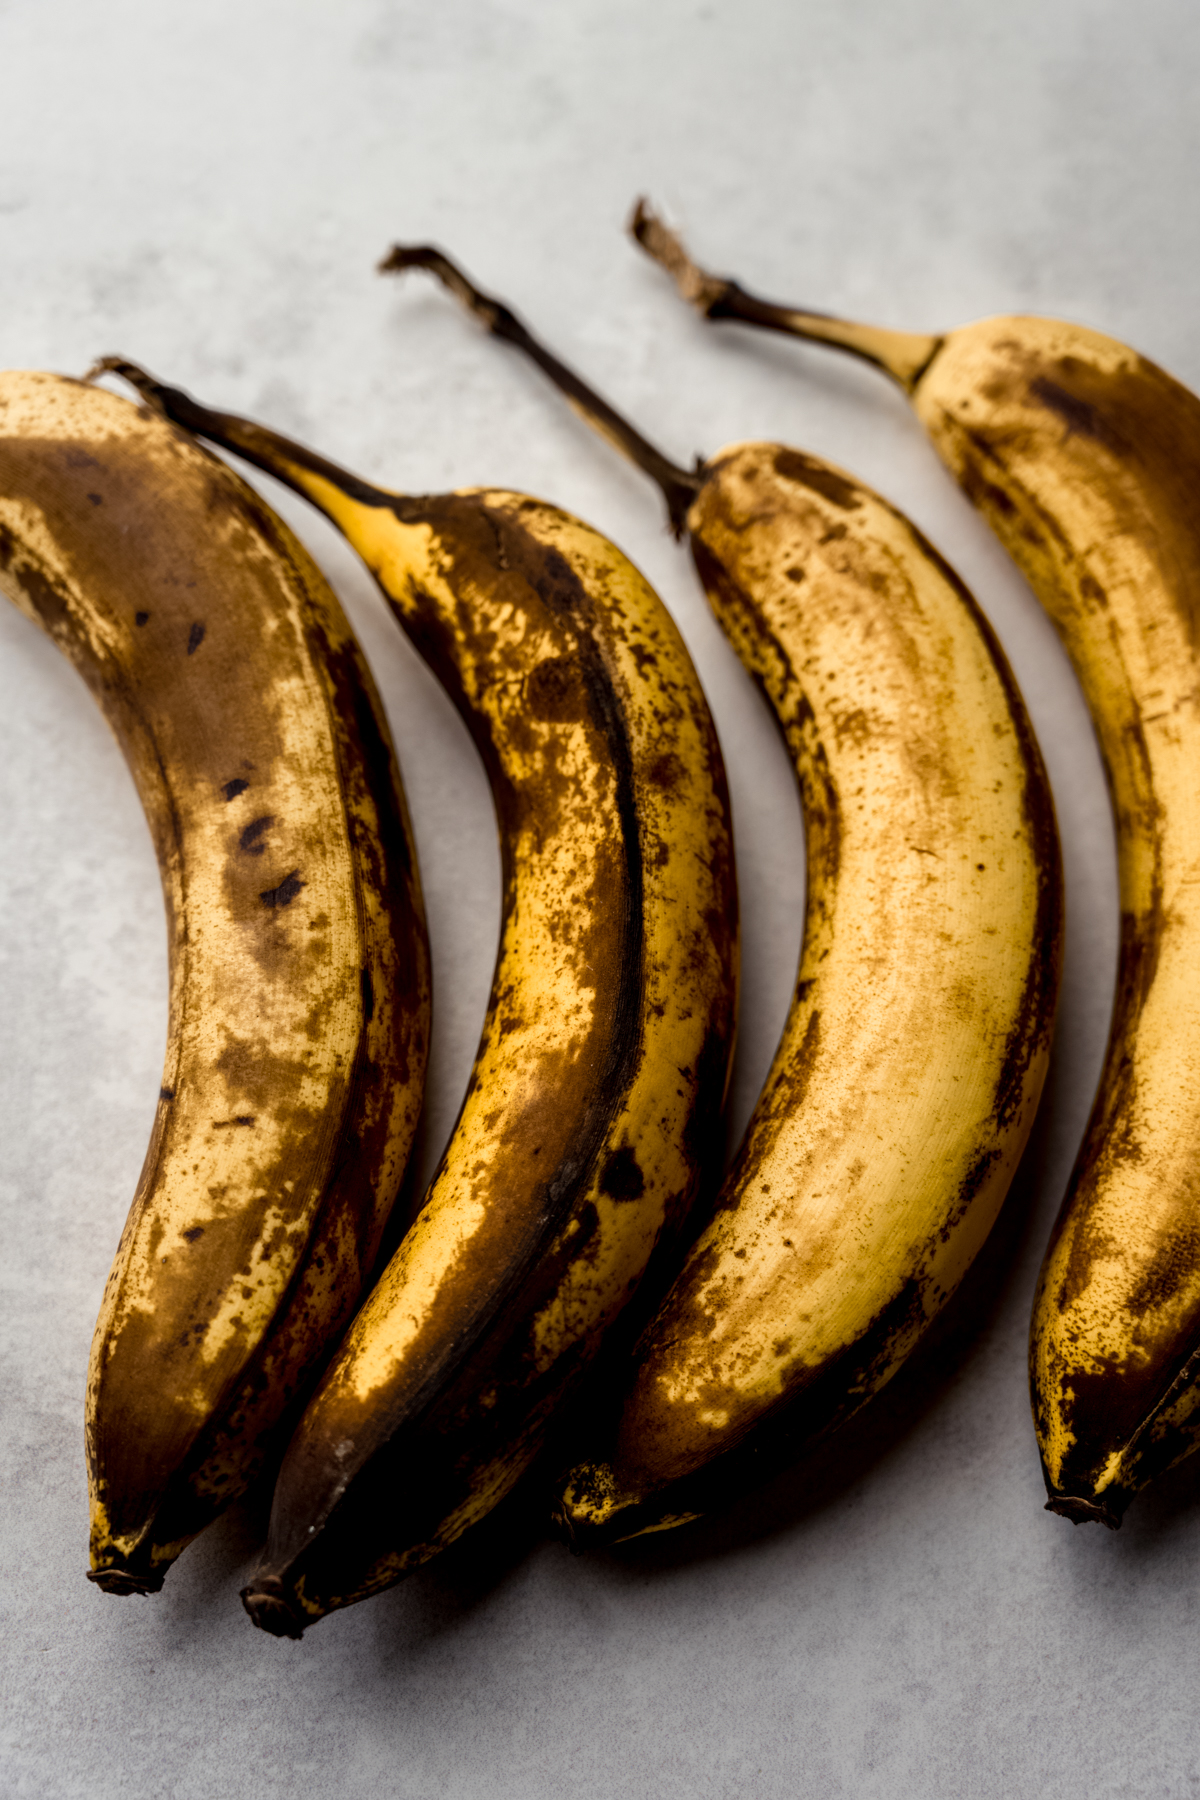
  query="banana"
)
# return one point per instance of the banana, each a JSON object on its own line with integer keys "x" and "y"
{"x": 299, "y": 980}
{"x": 593, "y": 1109}
{"x": 913, "y": 1056}
{"x": 1084, "y": 458}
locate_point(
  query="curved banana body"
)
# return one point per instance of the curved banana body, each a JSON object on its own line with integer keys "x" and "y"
{"x": 593, "y": 1109}
{"x": 299, "y": 982}
{"x": 914, "y": 1053}
{"x": 1084, "y": 458}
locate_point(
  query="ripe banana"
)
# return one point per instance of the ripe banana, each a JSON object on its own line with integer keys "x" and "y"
{"x": 910, "y": 1066}
{"x": 593, "y": 1109}
{"x": 299, "y": 982}
{"x": 1084, "y": 458}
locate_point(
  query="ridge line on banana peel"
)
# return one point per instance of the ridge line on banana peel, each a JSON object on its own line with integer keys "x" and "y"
{"x": 927, "y": 984}
{"x": 600, "y": 1080}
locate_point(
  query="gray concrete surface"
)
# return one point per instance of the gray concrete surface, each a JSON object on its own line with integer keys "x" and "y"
{"x": 207, "y": 189}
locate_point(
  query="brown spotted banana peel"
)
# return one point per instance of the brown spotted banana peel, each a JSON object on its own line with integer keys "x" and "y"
{"x": 594, "y": 1106}
{"x": 1084, "y": 458}
{"x": 914, "y": 1053}
{"x": 299, "y": 982}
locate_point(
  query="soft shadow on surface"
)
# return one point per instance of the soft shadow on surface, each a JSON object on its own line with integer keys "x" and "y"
{"x": 1159, "y": 1524}
{"x": 466, "y": 1575}
{"x": 1165, "y": 1503}
{"x": 823, "y": 1476}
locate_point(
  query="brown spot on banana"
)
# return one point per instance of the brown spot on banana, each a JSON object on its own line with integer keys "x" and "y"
{"x": 264, "y": 1192}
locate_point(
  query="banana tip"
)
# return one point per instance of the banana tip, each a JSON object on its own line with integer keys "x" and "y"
{"x": 591, "y": 1509}
{"x": 271, "y": 1607}
{"x": 125, "y": 1581}
{"x": 1083, "y": 1512}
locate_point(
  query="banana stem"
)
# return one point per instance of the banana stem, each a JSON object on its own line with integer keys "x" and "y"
{"x": 904, "y": 355}
{"x": 266, "y": 449}
{"x": 678, "y": 486}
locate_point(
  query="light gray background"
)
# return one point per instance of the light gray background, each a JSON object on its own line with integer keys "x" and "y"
{"x": 206, "y": 188}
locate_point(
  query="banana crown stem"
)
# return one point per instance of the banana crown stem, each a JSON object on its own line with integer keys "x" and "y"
{"x": 904, "y": 355}
{"x": 257, "y": 444}
{"x": 678, "y": 486}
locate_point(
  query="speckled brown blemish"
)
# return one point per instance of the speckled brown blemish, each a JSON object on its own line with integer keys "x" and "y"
{"x": 553, "y": 691}
{"x": 666, "y": 772}
{"x": 1107, "y": 1140}
{"x": 972, "y": 1184}
{"x": 810, "y": 472}
{"x": 756, "y": 1440}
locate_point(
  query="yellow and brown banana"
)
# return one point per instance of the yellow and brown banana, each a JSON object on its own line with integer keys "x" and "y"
{"x": 917, "y": 1043}
{"x": 299, "y": 982}
{"x": 1084, "y": 458}
{"x": 593, "y": 1111}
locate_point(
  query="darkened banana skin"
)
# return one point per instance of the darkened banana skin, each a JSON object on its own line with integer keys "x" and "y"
{"x": 1085, "y": 460}
{"x": 909, "y": 1071}
{"x": 593, "y": 1109}
{"x": 299, "y": 982}
{"x": 915, "y": 1051}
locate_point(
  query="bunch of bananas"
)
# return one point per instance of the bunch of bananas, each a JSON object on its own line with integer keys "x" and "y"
{"x": 263, "y": 1311}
